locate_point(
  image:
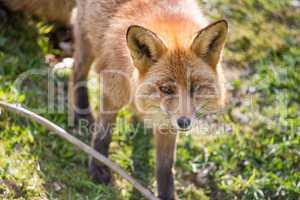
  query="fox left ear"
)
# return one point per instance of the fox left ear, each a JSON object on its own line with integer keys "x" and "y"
{"x": 145, "y": 47}
{"x": 209, "y": 42}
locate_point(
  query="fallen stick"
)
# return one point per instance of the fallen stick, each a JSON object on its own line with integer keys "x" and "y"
{"x": 82, "y": 146}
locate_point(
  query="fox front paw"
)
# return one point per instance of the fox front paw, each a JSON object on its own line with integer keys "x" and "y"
{"x": 99, "y": 173}
{"x": 172, "y": 197}
{"x": 169, "y": 198}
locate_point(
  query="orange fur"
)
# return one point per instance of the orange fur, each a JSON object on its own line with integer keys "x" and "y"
{"x": 154, "y": 47}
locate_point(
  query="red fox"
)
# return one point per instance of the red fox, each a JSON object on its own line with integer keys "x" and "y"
{"x": 159, "y": 56}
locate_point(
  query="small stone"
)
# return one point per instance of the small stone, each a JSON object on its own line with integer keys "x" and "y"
{"x": 59, "y": 65}
{"x": 50, "y": 59}
{"x": 57, "y": 186}
{"x": 68, "y": 62}
{"x": 251, "y": 90}
{"x": 66, "y": 47}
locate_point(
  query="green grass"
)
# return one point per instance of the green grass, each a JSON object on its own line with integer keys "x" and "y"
{"x": 257, "y": 158}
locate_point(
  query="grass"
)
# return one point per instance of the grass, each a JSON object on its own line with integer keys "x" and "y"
{"x": 257, "y": 158}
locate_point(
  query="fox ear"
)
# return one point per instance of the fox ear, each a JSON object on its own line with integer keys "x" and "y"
{"x": 145, "y": 47}
{"x": 209, "y": 42}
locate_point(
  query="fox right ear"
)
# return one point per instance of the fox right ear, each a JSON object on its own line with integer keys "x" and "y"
{"x": 145, "y": 47}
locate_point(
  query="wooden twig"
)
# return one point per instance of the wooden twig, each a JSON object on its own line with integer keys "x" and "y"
{"x": 82, "y": 146}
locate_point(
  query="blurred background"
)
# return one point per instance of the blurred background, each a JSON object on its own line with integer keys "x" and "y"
{"x": 256, "y": 157}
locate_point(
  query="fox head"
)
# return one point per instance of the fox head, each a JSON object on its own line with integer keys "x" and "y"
{"x": 176, "y": 83}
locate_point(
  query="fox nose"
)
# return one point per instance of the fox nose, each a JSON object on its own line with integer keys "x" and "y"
{"x": 184, "y": 122}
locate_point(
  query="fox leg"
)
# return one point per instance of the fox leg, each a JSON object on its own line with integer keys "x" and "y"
{"x": 83, "y": 61}
{"x": 102, "y": 136}
{"x": 165, "y": 156}
{"x": 115, "y": 95}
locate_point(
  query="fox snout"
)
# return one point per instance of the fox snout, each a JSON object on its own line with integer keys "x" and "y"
{"x": 183, "y": 113}
{"x": 184, "y": 123}
{"x": 183, "y": 117}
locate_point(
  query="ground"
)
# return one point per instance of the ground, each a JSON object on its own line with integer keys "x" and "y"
{"x": 256, "y": 156}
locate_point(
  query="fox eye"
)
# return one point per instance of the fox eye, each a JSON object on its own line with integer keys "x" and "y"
{"x": 195, "y": 88}
{"x": 167, "y": 90}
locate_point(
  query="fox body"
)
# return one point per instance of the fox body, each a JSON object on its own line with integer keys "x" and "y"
{"x": 162, "y": 57}
{"x": 159, "y": 56}
{"x": 53, "y": 10}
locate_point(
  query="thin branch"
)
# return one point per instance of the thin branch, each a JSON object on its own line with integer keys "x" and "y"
{"x": 82, "y": 146}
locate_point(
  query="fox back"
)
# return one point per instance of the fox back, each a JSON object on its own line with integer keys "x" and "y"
{"x": 53, "y": 10}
